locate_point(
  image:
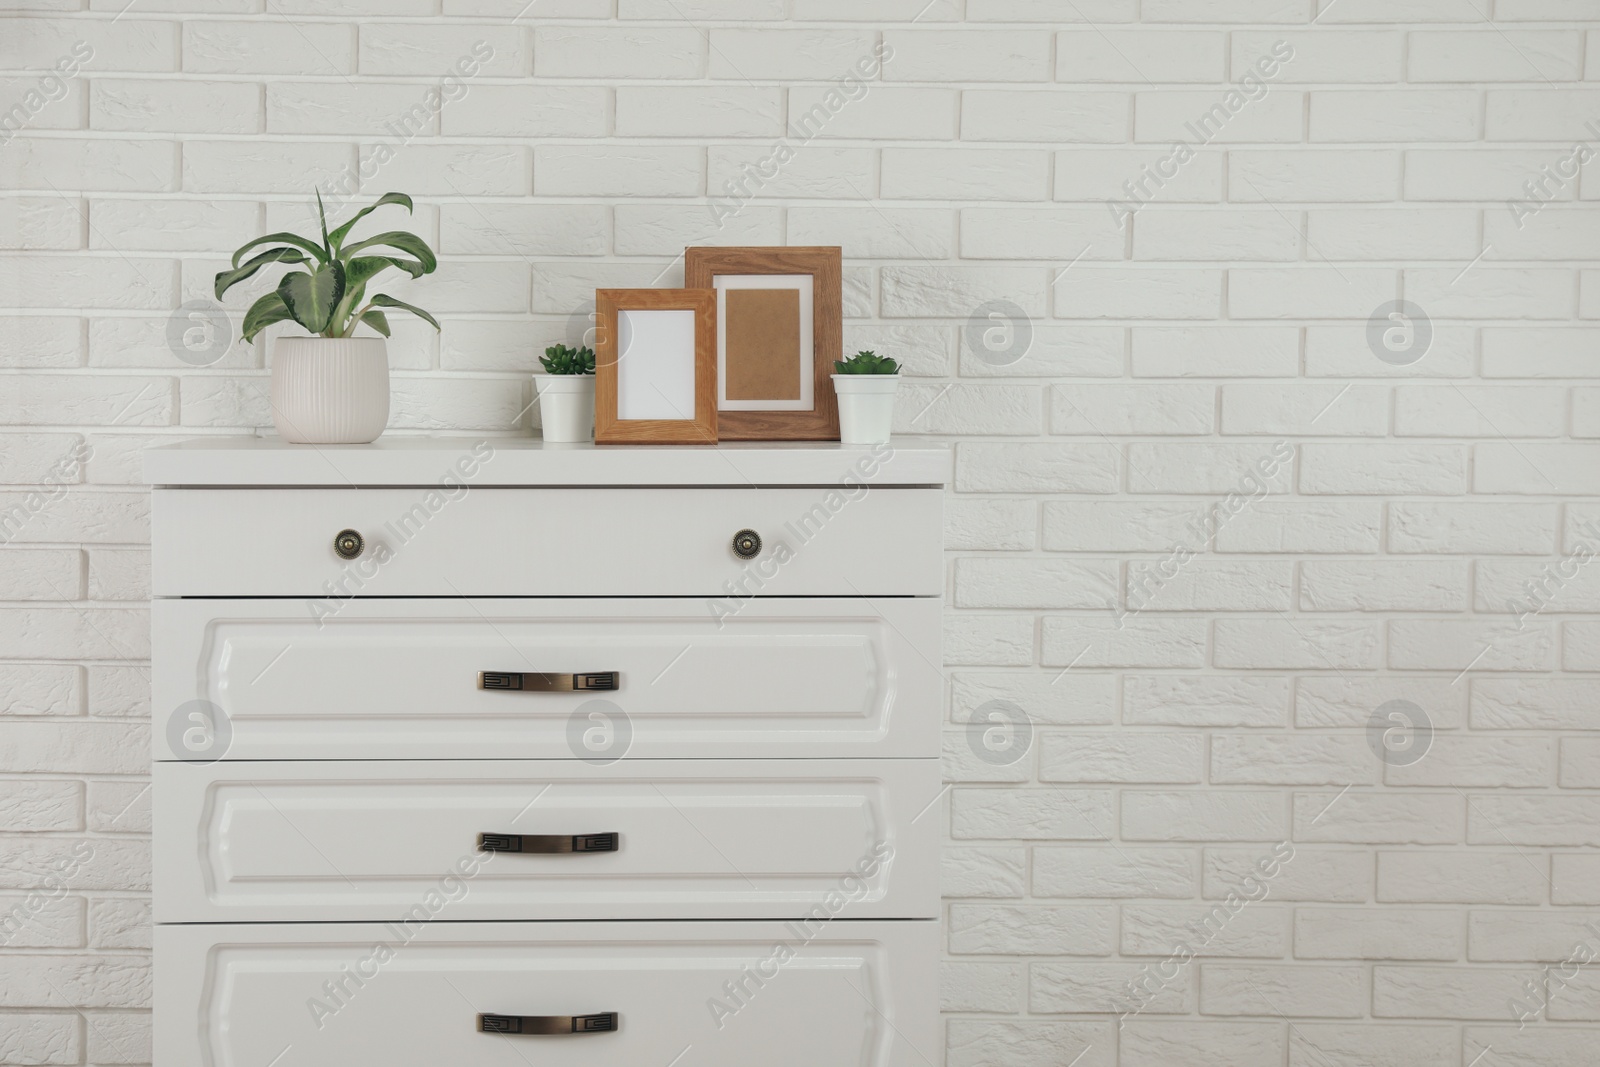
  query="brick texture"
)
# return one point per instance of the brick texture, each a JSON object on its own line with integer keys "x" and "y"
{"x": 1300, "y": 598}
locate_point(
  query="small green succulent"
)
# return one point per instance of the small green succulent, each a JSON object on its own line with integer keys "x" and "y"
{"x": 327, "y": 296}
{"x": 559, "y": 359}
{"x": 866, "y": 362}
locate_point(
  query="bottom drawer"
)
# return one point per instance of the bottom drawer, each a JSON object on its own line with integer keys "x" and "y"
{"x": 688, "y": 994}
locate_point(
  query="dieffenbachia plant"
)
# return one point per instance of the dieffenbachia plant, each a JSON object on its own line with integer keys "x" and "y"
{"x": 329, "y": 296}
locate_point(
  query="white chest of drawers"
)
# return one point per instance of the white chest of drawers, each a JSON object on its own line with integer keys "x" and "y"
{"x": 536, "y": 768}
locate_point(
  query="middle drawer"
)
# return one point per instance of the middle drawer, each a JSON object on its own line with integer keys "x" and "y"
{"x": 650, "y": 839}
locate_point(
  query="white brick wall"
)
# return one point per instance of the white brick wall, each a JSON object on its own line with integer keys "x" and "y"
{"x": 1199, "y": 577}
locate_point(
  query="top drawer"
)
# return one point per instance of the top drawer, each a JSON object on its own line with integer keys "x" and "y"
{"x": 547, "y": 542}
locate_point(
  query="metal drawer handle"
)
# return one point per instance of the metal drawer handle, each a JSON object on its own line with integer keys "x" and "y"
{"x": 348, "y": 544}
{"x": 549, "y": 683}
{"x": 548, "y": 843}
{"x": 604, "y": 1022}
{"x": 746, "y": 544}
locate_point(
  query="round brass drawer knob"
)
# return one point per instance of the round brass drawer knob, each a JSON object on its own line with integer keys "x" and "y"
{"x": 747, "y": 544}
{"x": 348, "y": 544}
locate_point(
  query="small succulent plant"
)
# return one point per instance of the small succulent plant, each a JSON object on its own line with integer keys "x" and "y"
{"x": 866, "y": 362}
{"x": 327, "y": 296}
{"x": 559, "y": 359}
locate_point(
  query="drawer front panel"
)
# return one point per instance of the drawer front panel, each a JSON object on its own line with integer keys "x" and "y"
{"x": 400, "y": 679}
{"x": 546, "y": 542}
{"x": 326, "y": 841}
{"x": 729, "y": 994}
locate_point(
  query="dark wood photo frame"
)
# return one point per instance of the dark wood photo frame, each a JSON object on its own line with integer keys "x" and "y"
{"x": 703, "y": 265}
{"x": 609, "y": 428}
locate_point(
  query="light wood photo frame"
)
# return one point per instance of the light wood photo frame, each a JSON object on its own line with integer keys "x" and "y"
{"x": 780, "y": 327}
{"x": 655, "y": 366}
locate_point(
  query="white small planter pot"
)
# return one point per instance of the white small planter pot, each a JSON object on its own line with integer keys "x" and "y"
{"x": 566, "y": 406}
{"x": 330, "y": 390}
{"x": 866, "y": 407}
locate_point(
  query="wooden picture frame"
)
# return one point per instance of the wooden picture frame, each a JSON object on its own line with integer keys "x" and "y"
{"x": 814, "y": 416}
{"x": 655, "y": 376}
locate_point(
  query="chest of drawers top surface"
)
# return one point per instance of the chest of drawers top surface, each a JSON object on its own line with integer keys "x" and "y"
{"x": 407, "y": 461}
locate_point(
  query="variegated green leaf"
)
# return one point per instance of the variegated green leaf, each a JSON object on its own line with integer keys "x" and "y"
{"x": 390, "y": 302}
{"x": 408, "y": 243}
{"x": 229, "y": 278}
{"x": 282, "y": 238}
{"x": 311, "y": 298}
{"x": 337, "y": 236}
{"x": 263, "y": 313}
{"x": 377, "y": 320}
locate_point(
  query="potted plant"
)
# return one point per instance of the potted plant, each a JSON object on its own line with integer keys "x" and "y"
{"x": 566, "y": 393}
{"x": 330, "y": 387}
{"x": 865, "y": 385}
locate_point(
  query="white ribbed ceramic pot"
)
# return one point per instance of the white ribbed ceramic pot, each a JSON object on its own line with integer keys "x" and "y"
{"x": 330, "y": 390}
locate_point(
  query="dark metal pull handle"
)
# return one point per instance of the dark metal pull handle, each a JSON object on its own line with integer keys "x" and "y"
{"x": 549, "y": 843}
{"x": 604, "y": 1022}
{"x": 549, "y": 683}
